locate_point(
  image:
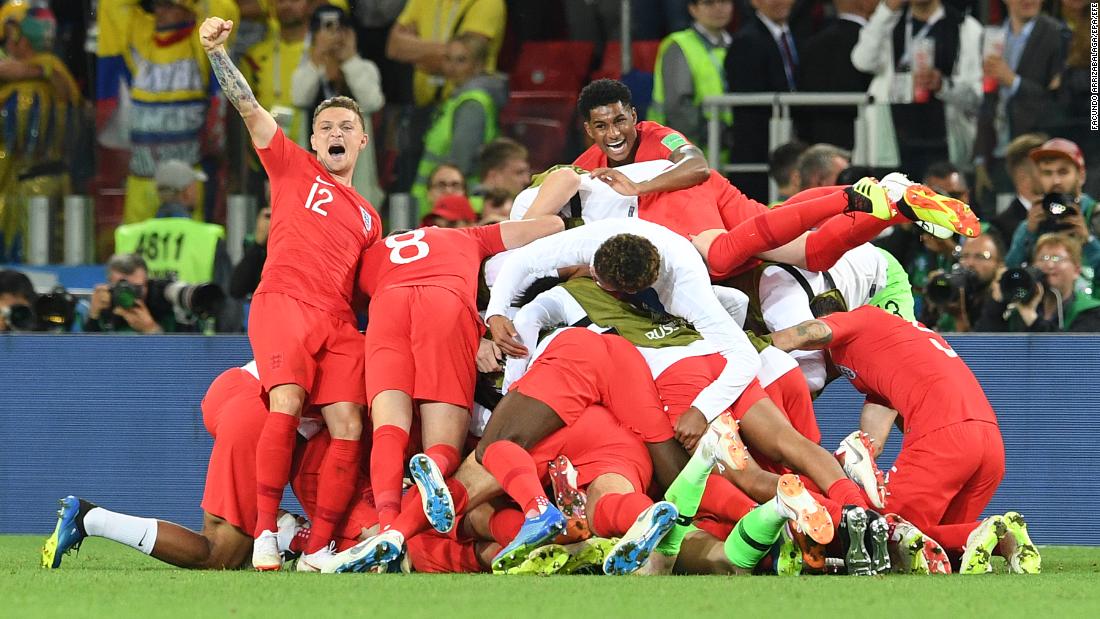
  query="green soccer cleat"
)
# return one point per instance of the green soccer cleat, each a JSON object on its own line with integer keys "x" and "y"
{"x": 980, "y": 545}
{"x": 788, "y": 561}
{"x": 542, "y": 561}
{"x": 587, "y": 556}
{"x": 1025, "y": 558}
{"x": 867, "y": 196}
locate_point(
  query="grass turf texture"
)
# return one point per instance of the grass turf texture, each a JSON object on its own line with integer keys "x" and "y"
{"x": 109, "y": 580}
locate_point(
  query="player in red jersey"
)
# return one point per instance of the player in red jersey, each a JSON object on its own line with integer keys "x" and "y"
{"x": 301, "y": 325}
{"x": 421, "y": 345}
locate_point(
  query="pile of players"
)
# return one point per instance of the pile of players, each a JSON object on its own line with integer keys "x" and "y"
{"x": 671, "y": 418}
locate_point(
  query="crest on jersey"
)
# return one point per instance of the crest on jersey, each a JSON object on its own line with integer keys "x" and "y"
{"x": 366, "y": 219}
{"x": 847, "y": 372}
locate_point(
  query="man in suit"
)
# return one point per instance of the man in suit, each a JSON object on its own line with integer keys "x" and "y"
{"x": 762, "y": 57}
{"x": 1025, "y": 180}
{"x": 827, "y": 67}
{"x": 1021, "y": 83}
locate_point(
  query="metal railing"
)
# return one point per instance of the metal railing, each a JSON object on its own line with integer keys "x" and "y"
{"x": 780, "y": 128}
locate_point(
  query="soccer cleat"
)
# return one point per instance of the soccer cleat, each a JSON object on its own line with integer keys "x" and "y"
{"x": 795, "y": 503}
{"x": 542, "y": 561}
{"x": 867, "y": 196}
{"x": 67, "y": 533}
{"x": 878, "y": 533}
{"x": 921, "y": 203}
{"x": 906, "y": 546}
{"x": 570, "y": 500}
{"x": 535, "y": 532}
{"x": 813, "y": 554}
{"x": 855, "y": 457}
{"x": 852, "y": 531}
{"x": 372, "y": 554}
{"x": 935, "y": 557}
{"x": 587, "y": 556}
{"x": 1025, "y": 558}
{"x": 788, "y": 560}
{"x": 292, "y": 534}
{"x": 315, "y": 562}
{"x": 980, "y": 544}
{"x": 633, "y": 550}
{"x": 265, "y": 552}
{"x": 436, "y": 499}
{"x": 729, "y": 450}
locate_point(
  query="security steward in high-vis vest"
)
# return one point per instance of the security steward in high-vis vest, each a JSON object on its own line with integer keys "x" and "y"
{"x": 690, "y": 67}
{"x": 173, "y": 245}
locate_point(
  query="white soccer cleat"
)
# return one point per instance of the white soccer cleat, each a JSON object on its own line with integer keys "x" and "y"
{"x": 729, "y": 450}
{"x": 368, "y": 555}
{"x": 855, "y": 455}
{"x": 265, "y": 552}
{"x": 315, "y": 562}
{"x": 290, "y": 526}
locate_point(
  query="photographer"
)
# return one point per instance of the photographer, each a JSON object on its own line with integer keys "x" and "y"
{"x": 1041, "y": 298}
{"x": 17, "y": 299}
{"x": 956, "y": 300}
{"x": 1064, "y": 207}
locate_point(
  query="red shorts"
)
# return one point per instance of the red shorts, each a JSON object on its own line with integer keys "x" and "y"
{"x": 234, "y": 414}
{"x": 432, "y": 553}
{"x": 580, "y": 368}
{"x": 296, "y": 343}
{"x": 682, "y": 382}
{"x": 422, "y": 341}
{"x": 948, "y": 475}
{"x": 792, "y": 395}
{"x": 596, "y": 444}
{"x": 304, "y": 475}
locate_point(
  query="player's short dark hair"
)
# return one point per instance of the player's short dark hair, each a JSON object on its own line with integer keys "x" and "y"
{"x": 126, "y": 264}
{"x": 628, "y": 262}
{"x": 340, "y": 101}
{"x": 17, "y": 284}
{"x": 498, "y": 152}
{"x": 783, "y": 159}
{"x": 825, "y": 304}
{"x": 602, "y": 92}
{"x": 940, "y": 169}
{"x": 852, "y": 173}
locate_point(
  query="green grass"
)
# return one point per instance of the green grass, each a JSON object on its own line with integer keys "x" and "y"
{"x": 109, "y": 580}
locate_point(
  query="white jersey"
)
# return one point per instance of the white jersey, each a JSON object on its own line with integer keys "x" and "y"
{"x": 858, "y": 275}
{"x": 598, "y": 199}
{"x": 682, "y": 289}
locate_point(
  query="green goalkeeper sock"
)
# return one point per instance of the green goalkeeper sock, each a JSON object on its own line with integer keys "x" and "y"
{"x": 685, "y": 492}
{"x": 754, "y": 536}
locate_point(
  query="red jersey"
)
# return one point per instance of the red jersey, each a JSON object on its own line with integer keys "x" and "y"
{"x": 319, "y": 228}
{"x": 443, "y": 257}
{"x": 655, "y": 142}
{"x": 907, "y": 367}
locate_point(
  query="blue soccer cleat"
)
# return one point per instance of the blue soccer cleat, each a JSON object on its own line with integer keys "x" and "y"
{"x": 66, "y": 535}
{"x": 633, "y": 550}
{"x": 368, "y": 555}
{"x": 534, "y": 533}
{"x": 436, "y": 499}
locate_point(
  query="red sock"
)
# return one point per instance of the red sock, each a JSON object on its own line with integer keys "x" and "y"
{"x": 836, "y": 511}
{"x": 274, "y": 453}
{"x": 951, "y": 536}
{"x": 387, "y": 467}
{"x": 514, "y": 469}
{"x": 771, "y": 229}
{"x": 504, "y": 524}
{"x": 846, "y": 492}
{"x": 839, "y": 234}
{"x": 335, "y": 487}
{"x": 412, "y": 521}
{"x": 445, "y": 457}
{"x": 724, "y": 500}
{"x": 613, "y": 514}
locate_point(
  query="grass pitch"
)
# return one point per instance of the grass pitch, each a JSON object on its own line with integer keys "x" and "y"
{"x": 109, "y": 580}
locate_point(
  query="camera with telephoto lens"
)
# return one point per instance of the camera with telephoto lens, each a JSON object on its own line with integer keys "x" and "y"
{"x": 55, "y": 311}
{"x": 944, "y": 288}
{"x": 1018, "y": 285}
{"x": 164, "y": 296}
{"x": 19, "y": 317}
{"x": 1059, "y": 207}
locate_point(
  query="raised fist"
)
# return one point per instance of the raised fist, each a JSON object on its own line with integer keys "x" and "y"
{"x": 214, "y": 32}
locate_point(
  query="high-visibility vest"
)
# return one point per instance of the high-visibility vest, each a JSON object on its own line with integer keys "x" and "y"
{"x": 707, "y": 72}
{"x": 172, "y": 247}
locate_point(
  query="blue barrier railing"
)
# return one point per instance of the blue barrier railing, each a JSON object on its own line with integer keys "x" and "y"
{"x": 116, "y": 419}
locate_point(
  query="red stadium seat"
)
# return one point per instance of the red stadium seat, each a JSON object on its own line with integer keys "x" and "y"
{"x": 552, "y": 65}
{"x": 643, "y": 58}
{"x": 551, "y": 105}
{"x": 545, "y": 140}
{"x": 645, "y": 55}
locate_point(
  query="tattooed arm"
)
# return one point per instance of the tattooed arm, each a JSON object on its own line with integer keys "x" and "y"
{"x": 261, "y": 125}
{"x": 809, "y": 335}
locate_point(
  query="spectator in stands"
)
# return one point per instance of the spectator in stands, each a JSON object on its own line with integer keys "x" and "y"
{"x": 246, "y": 274}
{"x": 690, "y": 66}
{"x": 827, "y": 67}
{"x": 444, "y": 180}
{"x": 451, "y": 211}
{"x": 41, "y": 103}
{"x": 334, "y": 68}
{"x": 1024, "y": 175}
{"x": 1054, "y": 304}
{"x": 1065, "y": 207}
{"x": 420, "y": 38}
{"x": 955, "y": 300}
{"x": 16, "y": 301}
{"x": 496, "y": 207}
{"x": 177, "y": 112}
{"x": 1020, "y": 85}
{"x": 933, "y": 98}
{"x": 1076, "y": 88}
{"x": 820, "y": 164}
{"x": 270, "y": 64}
{"x": 125, "y": 307}
{"x": 253, "y": 26}
{"x": 762, "y": 57}
{"x": 466, "y": 120}
{"x": 503, "y": 167}
{"x": 783, "y": 168}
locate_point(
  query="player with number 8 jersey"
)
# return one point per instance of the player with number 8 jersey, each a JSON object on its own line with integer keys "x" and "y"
{"x": 421, "y": 347}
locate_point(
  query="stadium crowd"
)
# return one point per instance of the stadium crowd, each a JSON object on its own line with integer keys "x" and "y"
{"x": 608, "y": 367}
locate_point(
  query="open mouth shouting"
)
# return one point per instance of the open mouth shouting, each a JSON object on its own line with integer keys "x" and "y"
{"x": 617, "y": 149}
{"x": 337, "y": 152}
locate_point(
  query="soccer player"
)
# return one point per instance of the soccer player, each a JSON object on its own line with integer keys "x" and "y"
{"x": 421, "y": 345}
{"x": 301, "y": 327}
{"x": 952, "y": 457}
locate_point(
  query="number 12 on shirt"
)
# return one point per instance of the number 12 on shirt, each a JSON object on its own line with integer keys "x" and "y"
{"x": 323, "y": 196}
